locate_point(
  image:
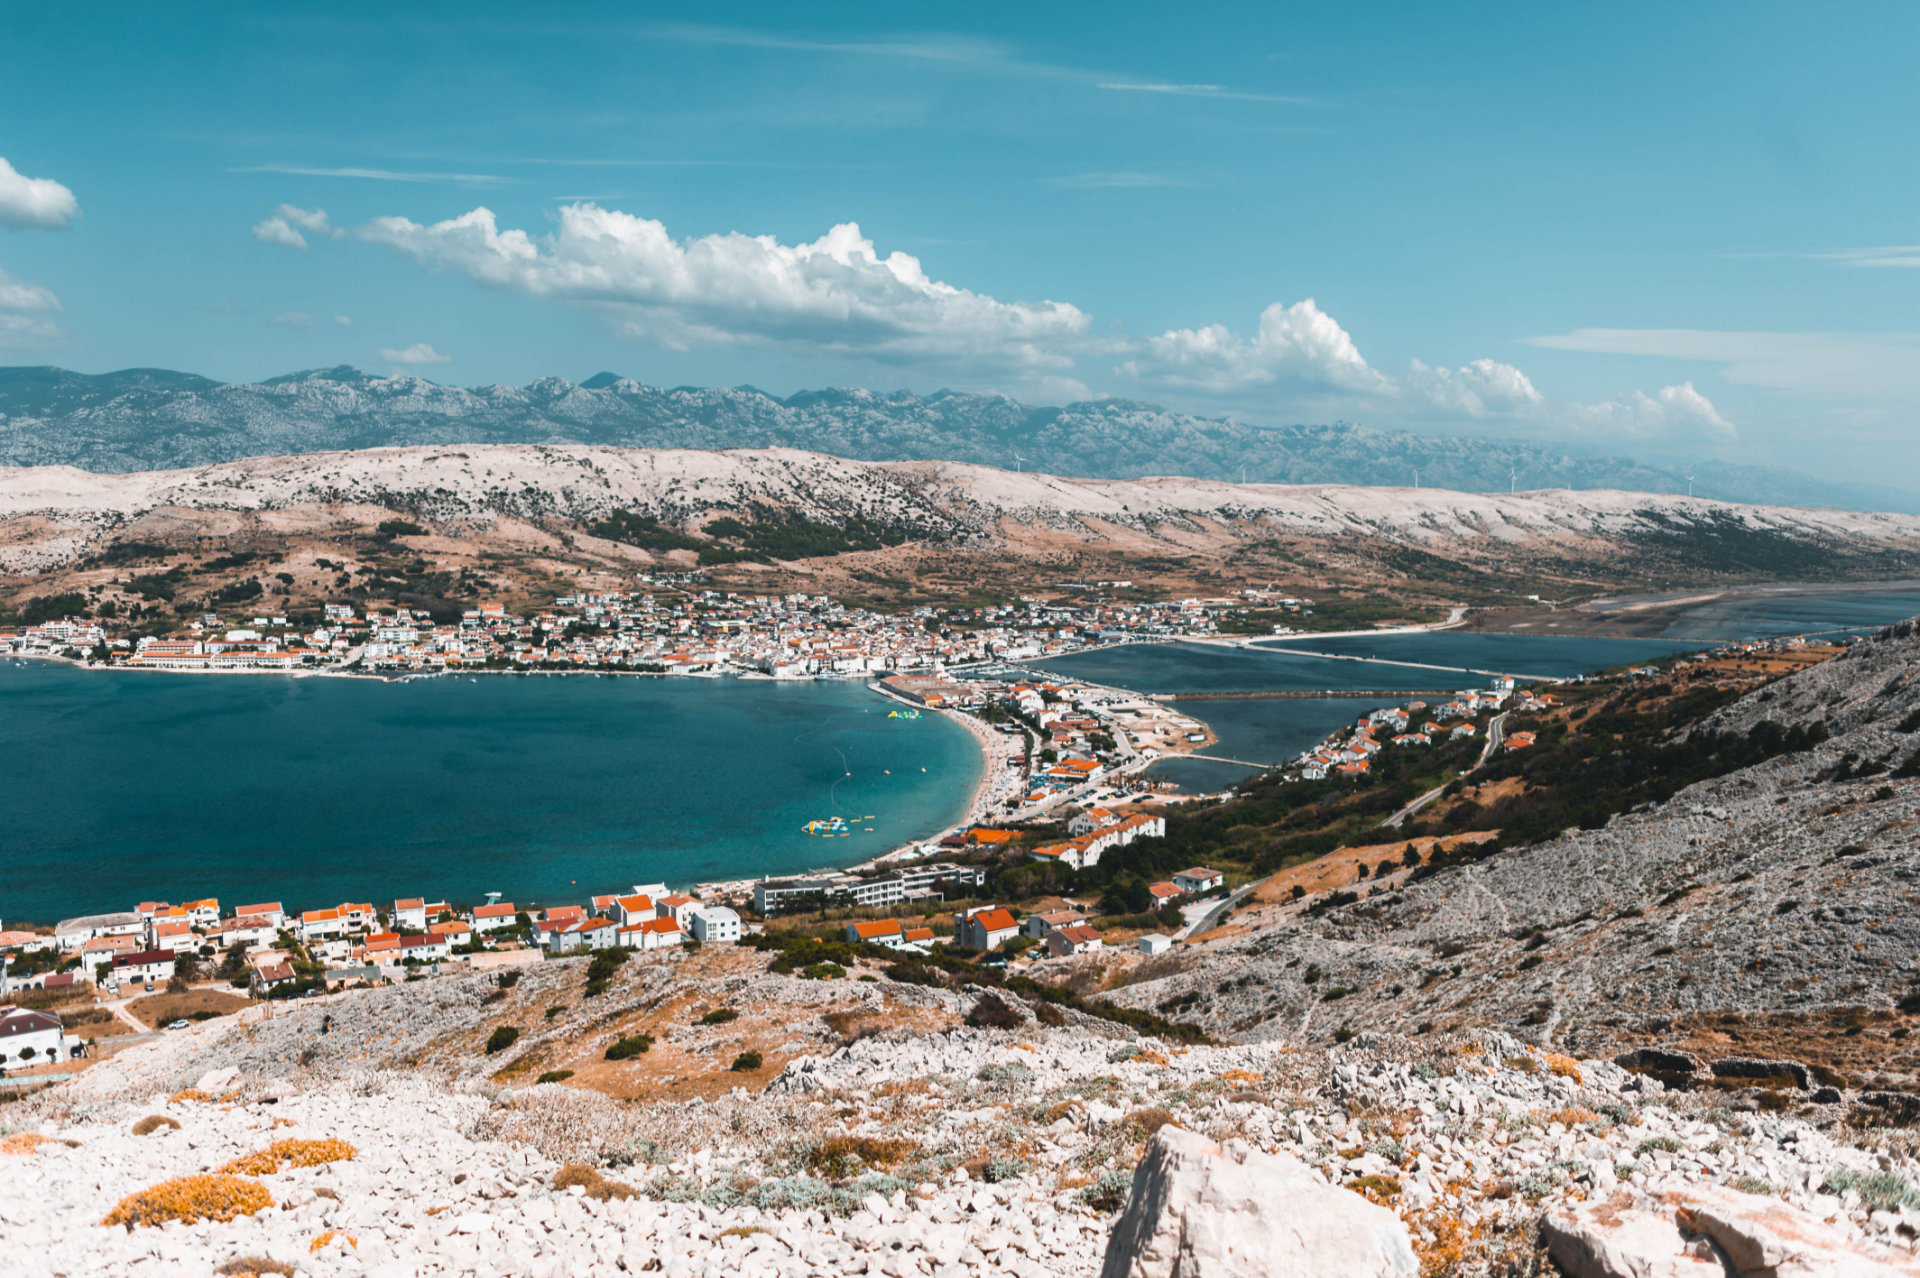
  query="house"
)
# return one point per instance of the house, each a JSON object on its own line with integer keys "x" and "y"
{"x": 603, "y": 905}
{"x": 649, "y": 934}
{"x": 319, "y": 925}
{"x": 1519, "y": 740}
{"x": 590, "y": 934}
{"x": 27, "y": 1038}
{"x": 457, "y": 931}
{"x": 71, "y": 934}
{"x": 425, "y": 947}
{"x": 1462, "y": 730}
{"x": 715, "y": 925}
{"x": 917, "y": 938}
{"x": 270, "y": 977}
{"x": 143, "y": 965}
{"x": 1038, "y": 925}
{"x": 628, "y": 910}
{"x": 203, "y": 914}
{"x": 988, "y": 835}
{"x": 170, "y": 934}
{"x": 105, "y": 947}
{"x": 1091, "y": 820}
{"x": 1075, "y": 938}
{"x": 563, "y": 914}
{"x": 341, "y": 977}
{"x": 1154, "y": 943}
{"x": 245, "y": 929}
{"x": 984, "y": 928}
{"x": 675, "y": 907}
{"x": 1164, "y": 893}
{"x": 489, "y": 918}
{"x": 25, "y": 942}
{"x": 268, "y": 912}
{"x": 381, "y": 947}
{"x": 887, "y": 932}
{"x": 409, "y": 914}
{"x": 1199, "y": 879}
{"x": 359, "y": 916}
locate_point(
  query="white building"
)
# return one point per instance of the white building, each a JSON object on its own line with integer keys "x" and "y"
{"x": 1155, "y": 943}
{"x": 71, "y": 934}
{"x": 410, "y": 914}
{"x": 147, "y": 965}
{"x": 714, "y": 924}
{"x": 28, "y": 1038}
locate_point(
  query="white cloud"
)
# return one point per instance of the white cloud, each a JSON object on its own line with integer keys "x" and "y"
{"x": 835, "y": 294}
{"x": 287, "y": 223}
{"x": 293, "y": 319}
{"x": 1117, "y": 181}
{"x": 1675, "y": 412}
{"x": 1299, "y": 347}
{"x": 1825, "y": 364}
{"x": 344, "y": 321}
{"x": 418, "y": 353}
{"x": 35, "y": 202}
{"x": 378, "y": 175}
{"x": 24, "y": 308}
{"x": 1480, "y": 388}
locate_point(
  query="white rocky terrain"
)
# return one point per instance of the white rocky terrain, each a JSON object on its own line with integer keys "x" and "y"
{"x": 53, "y": 514}
{"x": 946, "y": 1153}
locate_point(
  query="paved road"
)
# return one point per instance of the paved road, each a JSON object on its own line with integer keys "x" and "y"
{"x": 1495, "y": 735}
{"x": 1218, "y": 913}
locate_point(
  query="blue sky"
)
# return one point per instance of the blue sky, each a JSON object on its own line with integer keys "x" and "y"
{"x": 1651, "y": 229}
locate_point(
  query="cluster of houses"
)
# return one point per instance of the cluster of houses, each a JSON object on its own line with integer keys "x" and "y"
{"x": 1096, "y": 830}
{"x": 705, "y": 632}
{"x": 1353, "y": 756}
{"x": 1064, "y": 932}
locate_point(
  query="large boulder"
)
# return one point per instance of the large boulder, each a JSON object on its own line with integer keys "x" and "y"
{"x": 1710, "y": 1232}
{"x": 1202, "y": 1210}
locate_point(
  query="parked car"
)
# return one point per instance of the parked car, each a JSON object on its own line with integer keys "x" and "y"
{"x": 178, "y": 1025}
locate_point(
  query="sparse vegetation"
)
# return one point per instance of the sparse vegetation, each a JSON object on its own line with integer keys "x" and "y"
{"x": 189, "y": 1200}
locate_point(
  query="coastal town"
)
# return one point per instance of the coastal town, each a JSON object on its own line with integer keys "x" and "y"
{"x": 658, "y": 630}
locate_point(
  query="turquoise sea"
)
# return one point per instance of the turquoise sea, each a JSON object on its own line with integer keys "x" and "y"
{"x": 122, "y": 786}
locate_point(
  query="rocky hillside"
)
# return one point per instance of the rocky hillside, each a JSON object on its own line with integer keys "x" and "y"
{"x": 153, "y": 419}
{"x": 372, "y": 1133}
{"x": 1768, "y": 911}
{"x": 55, "y": 514}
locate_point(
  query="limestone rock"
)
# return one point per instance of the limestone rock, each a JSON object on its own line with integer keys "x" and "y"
{"x": 1202, "y": 1210}
{"x": 1758, "y": 1070}
{"x": 1615, "y": 1239}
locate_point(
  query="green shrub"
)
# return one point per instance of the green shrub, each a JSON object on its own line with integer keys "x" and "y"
{"x": 502, "y": 1038}
{"x": 720, "y": 1016}
{"x": 629, "y": 1047}
{"x": 823, "y": 972}
{"x": 990, "y": 1011}
{"x": 746, "y": 1062}
{"x": 555, "y": 1076}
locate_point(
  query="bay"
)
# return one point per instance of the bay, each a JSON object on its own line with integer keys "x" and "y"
{"x": 117, "y": 787}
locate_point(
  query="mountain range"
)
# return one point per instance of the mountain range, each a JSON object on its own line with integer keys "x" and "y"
{"x": 155, "y": 419}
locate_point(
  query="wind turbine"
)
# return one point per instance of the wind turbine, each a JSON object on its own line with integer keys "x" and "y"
{"x": 1689, "y": 483}
{"x": 1513, "y": 477}
{"x": 1243, "y": 472}
{"x": 1017, "y": 459}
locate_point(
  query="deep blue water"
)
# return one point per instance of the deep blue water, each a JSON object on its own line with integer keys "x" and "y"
{"x": 1553, "y": 656}
{"x": 116, "y": 787}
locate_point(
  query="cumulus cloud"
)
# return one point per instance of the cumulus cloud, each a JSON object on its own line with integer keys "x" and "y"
{"x": 288, "y": 222}
{"x": 24, "y": 308}
{"x": 344, "y": 321}
{"x": 293, "y": 319}
{"x": 835, "y": 294}
{"x": 418, "y": 353}
{"x": 1676, "y": 411}
{"x": 1299, "y": 347}
{"x": 34, "y": 202}
{"x": 1480, "y": 388}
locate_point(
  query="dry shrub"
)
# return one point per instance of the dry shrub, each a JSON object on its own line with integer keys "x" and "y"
{"x": 1243, "y": 1077}
{"x": 855, "y": 1023}
{"x": 598, "y": 1187}
{"x": 991, "y": 1011}
{"x": 22, "y": 1143}
{"x": 1150, "y": 1057}
{"x": 153, "y": 1123}
{"x": 1376, "y": 1189}
{"x": 1564, "y": 1066}
{"x": 329, "y": 1236}
{"x": 254, "y": 1267}
{"x": 842, "y": 1156}
{"x": 190, "y": 1199}
{"x": 1047, "y": 1014}
{"x": 296, "y": 1153}
{"x": 1572, "y": 1116}
{"x": 1148, "y": 1121}
{"x": 190, "y": 1094}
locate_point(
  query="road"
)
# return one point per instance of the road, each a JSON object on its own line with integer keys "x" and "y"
{"x": 1218, "y": 913}
{"x": 1495, "y": 735}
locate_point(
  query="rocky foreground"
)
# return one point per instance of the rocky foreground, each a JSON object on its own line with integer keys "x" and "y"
{"x": 956, "y": 1151}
